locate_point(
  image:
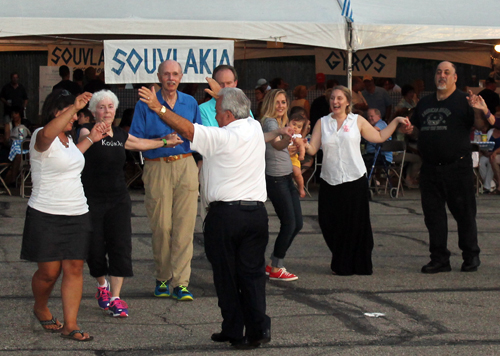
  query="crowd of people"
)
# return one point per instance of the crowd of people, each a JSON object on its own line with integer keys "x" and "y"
{"x": 80, "y": 209}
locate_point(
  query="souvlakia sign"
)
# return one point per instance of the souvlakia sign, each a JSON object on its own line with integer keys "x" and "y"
{"x": 138, "y": 61}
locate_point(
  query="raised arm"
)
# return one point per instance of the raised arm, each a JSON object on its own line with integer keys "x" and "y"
{"x": 98, "y": 132}
{"x": 47, "y": 135}
{"x": 371, "y": 135}
{"x": 179, "y": 124}
{"x": 481, "y": 111}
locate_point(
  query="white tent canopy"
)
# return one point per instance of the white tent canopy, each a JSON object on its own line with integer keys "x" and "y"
{"x": 377, "y": 23}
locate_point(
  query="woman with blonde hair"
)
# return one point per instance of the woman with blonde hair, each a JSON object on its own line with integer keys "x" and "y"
{"x": 280, "y": 188}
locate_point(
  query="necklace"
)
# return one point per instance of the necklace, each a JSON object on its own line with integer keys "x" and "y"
{"x": 65, "y": 142}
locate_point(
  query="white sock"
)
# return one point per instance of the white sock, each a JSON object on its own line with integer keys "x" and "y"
{"x": 114, "y": 298}
{"x": 106, "y": 284}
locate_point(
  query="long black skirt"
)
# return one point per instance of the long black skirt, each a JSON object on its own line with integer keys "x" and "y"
{"x": 344, "y": 219}
{"x": 48, "y": 237}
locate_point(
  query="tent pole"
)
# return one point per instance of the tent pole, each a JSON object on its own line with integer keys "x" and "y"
{"x": 349, "y": 55}
{"x": 349, "y": 68}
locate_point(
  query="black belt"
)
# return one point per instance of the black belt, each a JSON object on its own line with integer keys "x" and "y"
{"x": 447, "y": 163}
{"x": 237, "y": 202}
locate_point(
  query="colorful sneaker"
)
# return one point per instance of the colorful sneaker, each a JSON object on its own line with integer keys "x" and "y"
{"x": 182, "y": 293}
{"x": 268, "y": 269}
{"x": 282, "y": 275}
{"x": 103, "y": 297}
{"x": 118, "y": 308}
{"x": 162, "y": 289}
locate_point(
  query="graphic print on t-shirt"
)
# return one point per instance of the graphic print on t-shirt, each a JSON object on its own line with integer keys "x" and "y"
{"x": 435, "y": 119}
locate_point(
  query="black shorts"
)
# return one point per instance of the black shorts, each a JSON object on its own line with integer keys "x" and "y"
{"x": 49, "y": 237}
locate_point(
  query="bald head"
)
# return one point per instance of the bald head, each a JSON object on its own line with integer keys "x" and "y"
{"x": 169, "y": 61}
{"x": 446, "y": 77}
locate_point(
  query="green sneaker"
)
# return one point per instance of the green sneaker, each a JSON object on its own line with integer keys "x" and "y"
{"x": 182, "y": 293}
{"x": 162, "y": 289}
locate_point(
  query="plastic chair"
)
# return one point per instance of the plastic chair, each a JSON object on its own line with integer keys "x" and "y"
{"x": 3, "y": 168}
{"x": 138, "y": 163}
{"x": 475, "y": 168}
{"x": 25, "y": 172}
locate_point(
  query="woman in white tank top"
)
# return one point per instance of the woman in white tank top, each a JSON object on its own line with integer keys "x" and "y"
{"x": 343, "y": 207}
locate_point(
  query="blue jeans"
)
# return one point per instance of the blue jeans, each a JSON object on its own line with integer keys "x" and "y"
{"x": 286, "y": 202}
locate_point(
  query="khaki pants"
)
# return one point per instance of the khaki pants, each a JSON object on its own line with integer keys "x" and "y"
{"x": 171, "y": 204}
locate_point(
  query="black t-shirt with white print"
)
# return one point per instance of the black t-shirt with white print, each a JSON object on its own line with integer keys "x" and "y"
{"x": 103, "y": 175}
{"x": 444, "y": 127}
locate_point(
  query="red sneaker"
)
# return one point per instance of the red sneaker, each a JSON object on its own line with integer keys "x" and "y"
{"x": 282, "y": 275}
{"x": 268, "y": 269}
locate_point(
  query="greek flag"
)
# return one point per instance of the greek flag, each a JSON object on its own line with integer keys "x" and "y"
{"x": 346, "y": 9}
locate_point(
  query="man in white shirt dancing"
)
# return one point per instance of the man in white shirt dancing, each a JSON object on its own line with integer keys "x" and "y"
{"x": 232, "y": 153}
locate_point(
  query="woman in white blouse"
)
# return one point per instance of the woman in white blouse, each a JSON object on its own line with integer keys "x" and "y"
{"x": 343, "y": 206}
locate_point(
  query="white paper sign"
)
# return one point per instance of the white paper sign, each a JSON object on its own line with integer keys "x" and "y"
{"x": 137, "y": 61}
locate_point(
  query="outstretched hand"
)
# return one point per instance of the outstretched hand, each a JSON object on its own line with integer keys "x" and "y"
{"x": 286, "y": 131}
{"x": 148, "y": 96}
{"x": 476, "y": 101}
{"x": 172, "y": 139}
{"x": 82, "y": 100}
{"x": 406, "y": 126}
{"x": 214, "y": 87}
{"x": 99, "y": 131}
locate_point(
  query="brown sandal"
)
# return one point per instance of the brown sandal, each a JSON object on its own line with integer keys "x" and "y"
{"x": 495, "y": 192}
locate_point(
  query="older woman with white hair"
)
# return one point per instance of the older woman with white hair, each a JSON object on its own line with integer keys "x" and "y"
{"x": 109, "y": 202}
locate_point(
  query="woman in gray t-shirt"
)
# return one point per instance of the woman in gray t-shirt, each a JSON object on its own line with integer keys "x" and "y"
{"x": 280, "y": 188}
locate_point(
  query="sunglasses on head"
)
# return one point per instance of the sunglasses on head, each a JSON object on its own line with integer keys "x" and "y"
{"x": 64, "y": 92}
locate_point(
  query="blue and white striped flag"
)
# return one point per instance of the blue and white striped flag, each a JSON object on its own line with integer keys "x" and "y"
{"x": 345, "y": 5}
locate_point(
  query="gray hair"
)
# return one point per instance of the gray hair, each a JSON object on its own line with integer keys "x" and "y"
{"x": 235, "y": 101}
{"x": 101, "y": 95}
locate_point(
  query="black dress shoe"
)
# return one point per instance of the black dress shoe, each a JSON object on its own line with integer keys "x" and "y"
{"x": 471, "y": 265}
{"x": 244, "y": 344}
{"x": 220, "y": 337}
{"x": 436, "y": 267}
{"x": 263, "y": 338}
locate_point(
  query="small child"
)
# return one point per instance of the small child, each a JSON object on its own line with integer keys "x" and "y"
{"x": 298, "y": 123}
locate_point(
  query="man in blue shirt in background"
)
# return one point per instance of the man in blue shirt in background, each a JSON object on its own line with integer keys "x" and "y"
{"x": 171, "y": 183}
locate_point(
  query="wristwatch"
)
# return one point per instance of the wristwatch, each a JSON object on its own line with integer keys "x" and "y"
{"x": 163, "y": 110}
{"x": 165, "y": 143}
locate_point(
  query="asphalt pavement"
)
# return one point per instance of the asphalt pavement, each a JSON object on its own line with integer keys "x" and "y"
{"x": 396, "y": 311}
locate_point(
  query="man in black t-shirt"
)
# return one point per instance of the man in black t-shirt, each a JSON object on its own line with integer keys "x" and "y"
{"x": 67, "y": 84}
{"x": 444, "y": 120}
{"x": 13, "y": 94}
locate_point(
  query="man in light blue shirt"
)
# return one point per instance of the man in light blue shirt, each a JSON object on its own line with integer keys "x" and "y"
{"x": 375, "y": 119}
{"x": 227, "y": 77}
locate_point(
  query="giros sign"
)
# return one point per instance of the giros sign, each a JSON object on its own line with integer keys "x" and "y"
{"x": 138, "y": 61}
{"x": 378, "y": 63}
